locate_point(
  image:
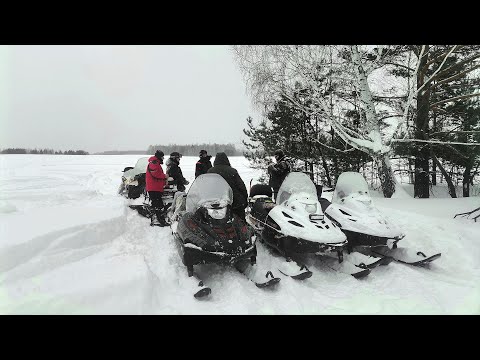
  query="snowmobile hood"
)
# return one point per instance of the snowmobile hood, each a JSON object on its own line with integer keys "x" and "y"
{"x": 353, "y": 208}
{"x": 357, "y": 213}
{"x": 302, "y": 218}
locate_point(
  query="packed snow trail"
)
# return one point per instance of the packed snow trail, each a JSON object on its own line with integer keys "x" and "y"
{"x": 70, "y": 245}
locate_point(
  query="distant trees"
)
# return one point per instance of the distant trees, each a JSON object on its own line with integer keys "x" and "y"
{"x": 194, "y": 149}
{"x": 42, "y": 151}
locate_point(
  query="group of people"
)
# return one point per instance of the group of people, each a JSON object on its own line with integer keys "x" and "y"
{"x": 156, "y": 179}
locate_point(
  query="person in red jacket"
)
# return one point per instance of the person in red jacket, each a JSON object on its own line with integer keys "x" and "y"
{"x": 155, "y": 180}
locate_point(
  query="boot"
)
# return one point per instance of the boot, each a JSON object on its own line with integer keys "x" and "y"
{"x": 158, "y": 218}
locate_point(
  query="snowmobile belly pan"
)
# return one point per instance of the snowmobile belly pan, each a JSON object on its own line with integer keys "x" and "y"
{"x": 292, "y": 244}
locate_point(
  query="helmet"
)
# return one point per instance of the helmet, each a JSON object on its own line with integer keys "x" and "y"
{"x": 278, "y": 153}
{"x": 159, "y": 154}
{"x": 203, "y": 152}
{"x": 175, "y": 154}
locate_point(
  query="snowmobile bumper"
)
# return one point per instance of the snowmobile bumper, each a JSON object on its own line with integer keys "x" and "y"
{"x": 365, "y": 240}
{"x": 194, "y": 255}
{"x": 290, "y": 244}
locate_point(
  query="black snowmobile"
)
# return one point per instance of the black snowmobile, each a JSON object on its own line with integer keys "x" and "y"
{"x": 367, "y": 230}
{"x": 133, "y": 187}
{"x": 295, "y": 224}
{"x": 206, "y": 231}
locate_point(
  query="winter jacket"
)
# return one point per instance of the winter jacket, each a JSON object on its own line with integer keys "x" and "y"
{"x": 203, "y": 165}
{"x": 278, "y": 173}
{"x": 174, "y": 171}
{"x": 155, "y": 179}
{"x": 221, "y": 166}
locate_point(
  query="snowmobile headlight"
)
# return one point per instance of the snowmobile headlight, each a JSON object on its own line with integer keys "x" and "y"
{"x": 218, "y": 214}
{"x": 316, "y": 217}
{"x": 311, "y": 208}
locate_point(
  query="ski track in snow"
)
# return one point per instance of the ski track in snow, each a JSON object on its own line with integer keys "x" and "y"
{"x": 70, "y": 245}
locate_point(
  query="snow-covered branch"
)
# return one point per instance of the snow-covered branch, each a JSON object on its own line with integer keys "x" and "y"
{"x": 435, "y": 142}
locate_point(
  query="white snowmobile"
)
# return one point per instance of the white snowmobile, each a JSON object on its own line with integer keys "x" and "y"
{"x": 295, "y": 223}
{"x": 133, "y": 180}
{"x": 367, "y": 230}
{"x": 206, "y": 231}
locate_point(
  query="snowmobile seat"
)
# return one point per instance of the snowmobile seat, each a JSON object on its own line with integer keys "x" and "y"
{"x": 324, "y": 203}
{"x": 262, "y": 207}
{"x": 260, "y": 189}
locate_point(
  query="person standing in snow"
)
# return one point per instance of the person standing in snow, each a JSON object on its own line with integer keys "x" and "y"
{"x": 222, "y": 167}
{"x": 203, "y": 164}
{"x": 155, "y": 181}
{"x": 278, "y": 172}
{"x": 174, "y": 171}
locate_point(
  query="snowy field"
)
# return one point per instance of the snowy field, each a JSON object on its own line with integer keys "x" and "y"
{"x": 70, "y": 245}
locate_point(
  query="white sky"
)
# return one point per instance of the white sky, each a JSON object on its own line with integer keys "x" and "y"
{"x": 101, "y": 97}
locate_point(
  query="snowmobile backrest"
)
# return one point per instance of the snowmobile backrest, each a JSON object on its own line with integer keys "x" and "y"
{"x": 128, "y": 168}
{"x": 324, "y": 203}
{"x": 260, "y": 189}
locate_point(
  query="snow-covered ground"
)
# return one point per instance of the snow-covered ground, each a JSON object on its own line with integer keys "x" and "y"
{"x": 70, "y": 245}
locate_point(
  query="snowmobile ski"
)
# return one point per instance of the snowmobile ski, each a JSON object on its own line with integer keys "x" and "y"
{"x": 407, "y": 256}
{"x": 258, "y": 276}
{"x": 358, "y": 271}
{"x": 203, "y": 291}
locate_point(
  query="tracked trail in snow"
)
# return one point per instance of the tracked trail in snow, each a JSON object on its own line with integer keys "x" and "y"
{"x": 70, "y": 245}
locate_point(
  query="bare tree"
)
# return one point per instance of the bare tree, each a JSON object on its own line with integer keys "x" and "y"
{"x": 339, "y": 79}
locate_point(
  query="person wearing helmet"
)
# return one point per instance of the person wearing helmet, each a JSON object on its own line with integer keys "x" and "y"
{"x": 174, "y": 171}
{"x": 155, "y": 181}
{"x": 278, "y": 171}
{"x": 203, "y": 164}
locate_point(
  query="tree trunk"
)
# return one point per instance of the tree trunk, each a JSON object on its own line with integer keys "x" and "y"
{"x": 421, "y": 189}
{"x": 422, "y": 155}
{"x": 448, "y": 178}
{"x": 325, "y": 167}
{"x": 387, "y": 179}
{"x": 434, "y": 173}
{"x": 466, "y": 178}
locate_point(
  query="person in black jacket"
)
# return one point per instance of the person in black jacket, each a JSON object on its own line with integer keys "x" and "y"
{"x": 278, "y": 172}
{"x": 174, "y": 171}
{"x": 222, "y": 167}
{"x": 203, "y": 164}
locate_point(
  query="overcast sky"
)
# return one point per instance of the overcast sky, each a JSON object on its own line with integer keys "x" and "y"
{"x": 98, "y": 98}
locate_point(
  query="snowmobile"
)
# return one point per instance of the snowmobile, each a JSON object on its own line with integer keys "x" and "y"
{"x": 295, "y": 223}
{"x": 367, "y": 230}
{"x": 133, "y": 180}
{"x": 133, "y": 187}
{"x": 206, "y": 231}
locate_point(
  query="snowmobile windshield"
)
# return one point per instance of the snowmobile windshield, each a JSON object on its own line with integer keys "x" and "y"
{"x": 294, "y": 183}
{"x": 349, "y": 183}
{"x": 140, "y": 168}
{"x": 209, "y": 190}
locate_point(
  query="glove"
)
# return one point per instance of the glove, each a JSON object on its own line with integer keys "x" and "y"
{"x": 186, "y": 182}
{"x": 270, "y": 168}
